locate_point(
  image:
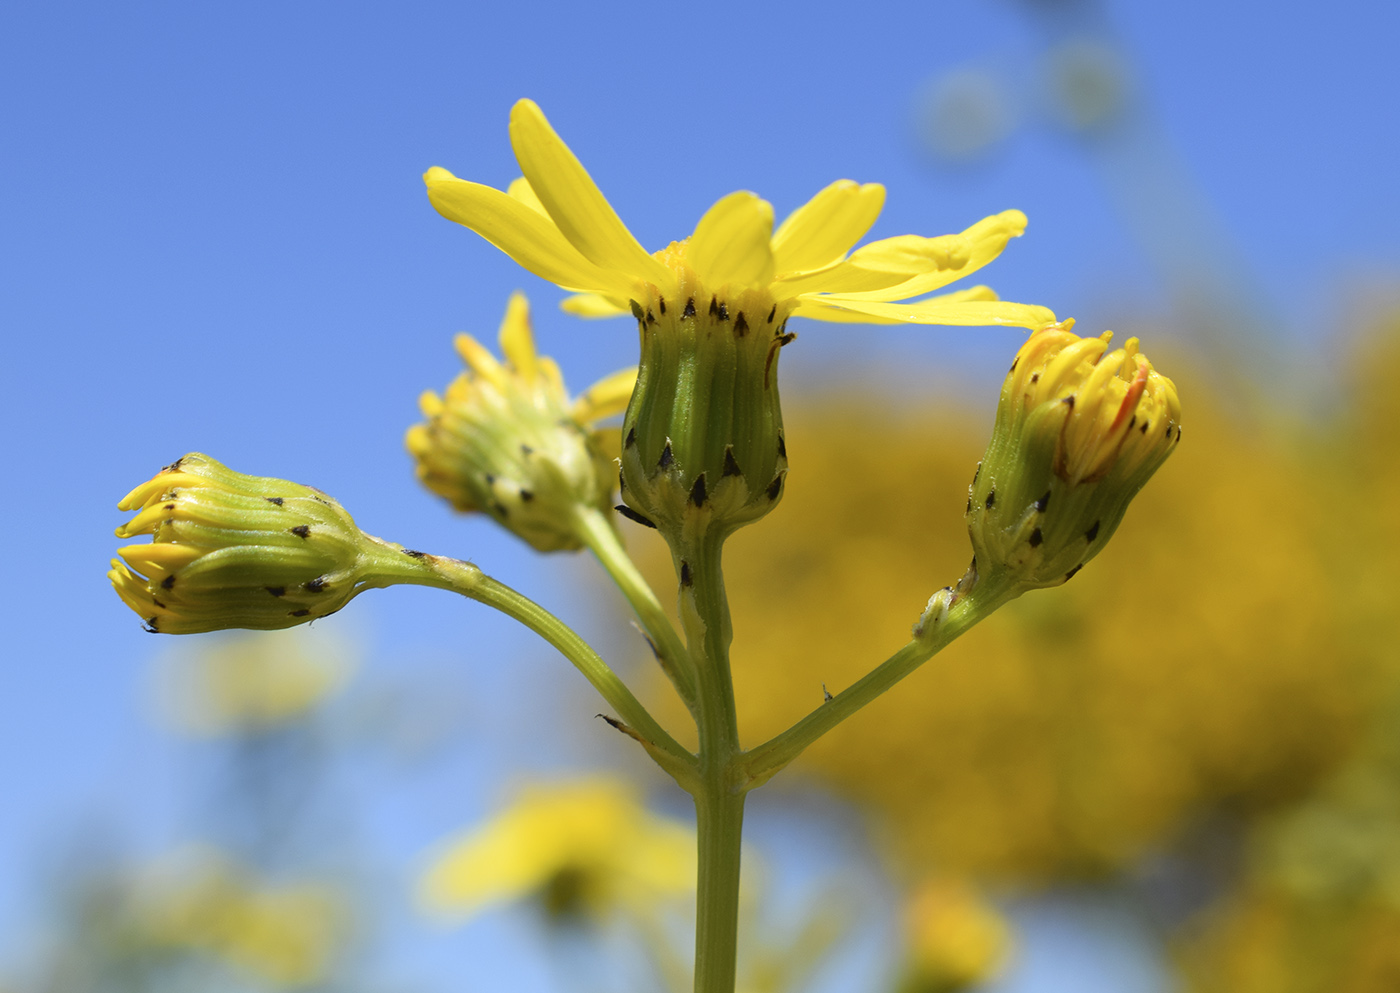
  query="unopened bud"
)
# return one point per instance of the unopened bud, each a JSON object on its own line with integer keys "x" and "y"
{"x": 236, "y": 551}
{"x": 505, "y": 439}
{"x": 1079, "y": 430}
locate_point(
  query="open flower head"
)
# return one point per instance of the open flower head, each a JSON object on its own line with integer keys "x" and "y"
{"x": 236, "y": 551}
{"x": 580, "y": 849}
{"x": 506, "y": 439}
{"x": 556, "y": 222}
{"x": 703, "y": 433}
{"x": 1079, "y": 430}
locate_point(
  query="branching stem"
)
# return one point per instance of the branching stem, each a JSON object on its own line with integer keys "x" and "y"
{"x": 760, "y": 764}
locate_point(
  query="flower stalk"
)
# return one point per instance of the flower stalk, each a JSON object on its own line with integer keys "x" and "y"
{"x": 949, "y": 616}
{"x": 600, "y": 537}
{"x": 633, "y": 719}
{"x": 719, "y": 796}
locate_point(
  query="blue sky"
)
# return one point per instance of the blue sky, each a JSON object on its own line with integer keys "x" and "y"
{"x": 213, "y": 237}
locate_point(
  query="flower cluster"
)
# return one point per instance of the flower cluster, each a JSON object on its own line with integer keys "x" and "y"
{"x": 703, "y": 446}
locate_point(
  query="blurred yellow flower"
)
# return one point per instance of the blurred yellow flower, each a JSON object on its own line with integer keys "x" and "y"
{"x": 201, "y": 900}
{"x": 250, "y": 682}
{"x": 1264, "y": 940}
{"x": 581, "y": 848}
{"x": 955, "y": 939}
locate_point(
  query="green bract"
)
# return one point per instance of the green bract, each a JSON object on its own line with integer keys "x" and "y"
{"x": 702, "y": 442}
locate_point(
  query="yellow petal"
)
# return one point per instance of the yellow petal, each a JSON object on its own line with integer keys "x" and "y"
{"x": 592, "y": 305}
{"x": 486, "y": 868}
{"x": 159, "y": 557}
{"x": 418, "y": 440}
{"x": 962, "y": 296}
{"x": 131, "y": 588}
{"x": 482, "y": 362}
{"x": 144, "y": 522}
{"x": 974, "y": 248}
{"x": 606, "y": 397}
{"x": 823, "y": 229}
{"x": 967, "y": 308}
{"x": 161, "y": 483}
{"x": 517, "y": 340}
{"x": 850, "y": 276}
{"x": 579, "y": 827}
{"x": 430, "y": 403}
{"x": 521, "y": 190}
{"x": 526, "y": 235}
{"x": 549, "y": 372}
{"x": 732, "y": 243}
{"x": 574, "y": 201}
{"x": 912, "y": 255}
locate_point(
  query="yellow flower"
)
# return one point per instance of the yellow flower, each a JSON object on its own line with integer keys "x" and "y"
{"x": 580, "y": 848}
{"x": 201, "y": 900}
{"x": 556, "y": 223}
{"x": 955, "y": 939}
{"x": 703, "y": 444}
{"x": 507, "y": 440}
{"x": 231, "y": 551}
{"x": 1078, "y": 432}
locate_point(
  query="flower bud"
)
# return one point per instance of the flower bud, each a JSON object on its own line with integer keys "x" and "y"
{"x": 236, "y": 551}
{"x": 1079, "y": 430}
{"x": 505, "y": 439}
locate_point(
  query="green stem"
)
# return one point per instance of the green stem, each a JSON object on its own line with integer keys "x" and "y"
{"x": 602, "y": 540}
{"x": 393, "y": 564}
{"x": 719, "y": 802}
{"x": 763, "y": 762}
{"x": 720, "y": 819}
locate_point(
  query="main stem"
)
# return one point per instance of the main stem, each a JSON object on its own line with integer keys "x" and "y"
{"x": 719, "y": 801}
{"x": 720, "y": 819}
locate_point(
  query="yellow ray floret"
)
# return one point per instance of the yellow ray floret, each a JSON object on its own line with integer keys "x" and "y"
{"x": 555, "y": 222}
